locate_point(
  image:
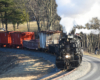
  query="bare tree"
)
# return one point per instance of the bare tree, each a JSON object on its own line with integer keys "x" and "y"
{"x": 44, "y": 12}
{"x": 91, "y": 41}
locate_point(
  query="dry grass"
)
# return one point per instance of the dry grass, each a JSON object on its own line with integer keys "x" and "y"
{"x": 92, "y": 54}
{"x": 23, "y": 27}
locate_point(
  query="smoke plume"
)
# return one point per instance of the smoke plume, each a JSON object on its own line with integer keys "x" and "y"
{"x": 79, "y": 11}
{"x": 86, "y": 31}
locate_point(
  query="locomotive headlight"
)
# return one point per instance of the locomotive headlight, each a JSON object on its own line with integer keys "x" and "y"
{"x": 67, "y": 56}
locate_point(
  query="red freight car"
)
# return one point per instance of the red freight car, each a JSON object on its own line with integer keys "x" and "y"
{"x": 5, "y": 38}
{"x": 18, "y": 37}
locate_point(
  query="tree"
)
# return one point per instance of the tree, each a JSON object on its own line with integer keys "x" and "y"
{"x": 6, "y": 7}
{"x": 19, "y": 18}
{"x": 36, "y": 7}
{"x": 51, "y": 13}
{"x": 90, "y": 41}
{"x": 11, "y": 12}
{"x": 44, "y": 12}
{"x": 88, "y": 26}
{"x": 95, "y": 23}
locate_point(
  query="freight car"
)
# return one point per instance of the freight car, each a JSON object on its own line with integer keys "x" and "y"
{"x": 14, "y": 38}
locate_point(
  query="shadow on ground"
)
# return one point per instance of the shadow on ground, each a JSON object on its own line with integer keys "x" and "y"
{"x": 21, "y": 65}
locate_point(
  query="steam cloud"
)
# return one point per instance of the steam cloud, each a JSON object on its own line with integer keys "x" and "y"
{"x": 78, "y": 11}
{"x": 86, "y": 31}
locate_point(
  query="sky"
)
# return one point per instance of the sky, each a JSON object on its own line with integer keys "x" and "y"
{"x": 77, "y": 12}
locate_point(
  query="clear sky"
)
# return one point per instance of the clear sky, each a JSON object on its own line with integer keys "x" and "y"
{"x": 77, "y": 12}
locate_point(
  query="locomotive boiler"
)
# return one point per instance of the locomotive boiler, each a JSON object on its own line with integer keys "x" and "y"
{"x": 70, "y": 52}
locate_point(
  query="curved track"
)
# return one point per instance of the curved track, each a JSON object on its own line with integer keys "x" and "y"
{"x": 94, "y": 73}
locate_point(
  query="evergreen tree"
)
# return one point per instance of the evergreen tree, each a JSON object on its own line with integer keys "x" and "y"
{"x": 11, "y": 13}
{"x": 6, "y": 9}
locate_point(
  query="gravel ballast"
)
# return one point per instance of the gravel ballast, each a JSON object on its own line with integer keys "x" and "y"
{"x": 81, "y": 71}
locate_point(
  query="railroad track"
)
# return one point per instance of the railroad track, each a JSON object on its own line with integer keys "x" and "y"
{"x": 54, "y": 75}
{"x": 58, "y": 75}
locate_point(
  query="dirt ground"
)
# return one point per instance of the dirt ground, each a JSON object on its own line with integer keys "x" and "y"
{"x": 23, "y": 67}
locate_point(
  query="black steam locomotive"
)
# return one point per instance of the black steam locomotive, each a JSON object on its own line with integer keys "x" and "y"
{"x": 69, "y": 52}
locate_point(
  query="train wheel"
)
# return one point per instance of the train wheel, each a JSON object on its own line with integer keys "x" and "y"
{"x": 78, "y": 61}
{"x": 69, "y": 68}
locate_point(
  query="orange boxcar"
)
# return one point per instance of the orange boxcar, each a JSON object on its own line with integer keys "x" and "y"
{"x": 5, "y": 38}
{"x": 18, "y": 37}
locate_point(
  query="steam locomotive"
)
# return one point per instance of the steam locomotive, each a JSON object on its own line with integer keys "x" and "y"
{"x": 70, "y": 52}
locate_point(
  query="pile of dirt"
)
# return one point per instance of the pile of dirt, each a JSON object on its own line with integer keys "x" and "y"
{"x": 23, "y": 67}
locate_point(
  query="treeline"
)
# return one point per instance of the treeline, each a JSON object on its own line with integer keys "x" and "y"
{"x": 19, "y": 11}
{"x": 92, "y": 40}
{"x": 10, "y": 12}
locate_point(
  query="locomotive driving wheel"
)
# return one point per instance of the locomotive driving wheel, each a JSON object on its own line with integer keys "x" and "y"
{"x": 79, "y": 60}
